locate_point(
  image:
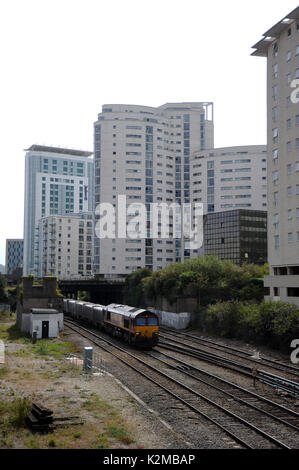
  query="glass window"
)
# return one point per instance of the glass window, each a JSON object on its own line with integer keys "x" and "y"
{"x": 152, "y": 321}
{"x": 140, "y": 321}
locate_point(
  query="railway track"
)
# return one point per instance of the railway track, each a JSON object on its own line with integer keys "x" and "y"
{"x": 246, "y": 397}
{"x": 274, "y": 364}
{"x": 264, "y": 376}
{"x": 192, "y": 404}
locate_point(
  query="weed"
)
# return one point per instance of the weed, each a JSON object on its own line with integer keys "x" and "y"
{"x": 13, "y": 333}
{"x": 119, "y": 434}
{"x": 19, "y": 410}
{"x": 42, "y": 349}
{"x": 52, "y": 443}
{"x": 95, "y": 404}
{"x": 32, "y": 443}
{"x": 55, "y": 348}
{"x": 102, "y": 442}
{"x": 3, "y": 371}
{"x": 77, "y": 435}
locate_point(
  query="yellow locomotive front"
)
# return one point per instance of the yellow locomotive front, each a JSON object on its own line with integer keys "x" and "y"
{"x": 146, "y": 329}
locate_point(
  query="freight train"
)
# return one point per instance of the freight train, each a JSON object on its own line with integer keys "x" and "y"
{"x": 135, "y": 326}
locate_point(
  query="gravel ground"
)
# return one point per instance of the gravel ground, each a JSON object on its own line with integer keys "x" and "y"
{"x": 56, "y": 384}
{"x": 195, "y": 430}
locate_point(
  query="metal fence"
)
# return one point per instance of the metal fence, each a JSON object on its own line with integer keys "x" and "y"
{"x": 96, "y": 365}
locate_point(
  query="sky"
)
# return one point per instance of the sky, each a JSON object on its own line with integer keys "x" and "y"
{"x": 62, "y": 60}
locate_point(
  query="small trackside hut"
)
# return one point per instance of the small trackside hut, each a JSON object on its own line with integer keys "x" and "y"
{"x": 45, "y": 322}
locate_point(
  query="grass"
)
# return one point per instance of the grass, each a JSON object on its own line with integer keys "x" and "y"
{"x": 21, "y": 353}
{"x": 3, "y": 371}
{"x": 6, "y": 315}
{"x": 19, "y": 410}
{"x": 102, "y": 441}
{"x": 103, "y": 426}
{"x": 53, "y": 347}
{"x": 119, "y": 433}
{"x": 96, "y": 405}
{"x": 13, "y": 333}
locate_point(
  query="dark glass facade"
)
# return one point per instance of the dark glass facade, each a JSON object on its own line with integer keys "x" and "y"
{"x": 238, "y": 235}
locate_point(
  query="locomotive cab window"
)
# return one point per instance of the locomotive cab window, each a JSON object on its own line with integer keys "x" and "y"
{"x": 126, "y": 323}
{"x": 152, "y": 321}
{"x": 108, "y": 316}
{"x": 140, "y": 321}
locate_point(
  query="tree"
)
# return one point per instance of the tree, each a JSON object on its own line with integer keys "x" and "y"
{"x": 3, "y": 293}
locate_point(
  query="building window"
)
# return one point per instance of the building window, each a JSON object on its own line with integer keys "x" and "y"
{"x": 276, "y": 241}
{"x": 290, "y": 237}
{"x": 289, "y": 56}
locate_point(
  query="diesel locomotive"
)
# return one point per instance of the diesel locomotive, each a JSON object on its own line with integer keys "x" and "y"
{"x": 135, "y": 326}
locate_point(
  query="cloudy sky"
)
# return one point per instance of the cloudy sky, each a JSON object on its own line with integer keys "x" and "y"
{"x": 61, "y": 60}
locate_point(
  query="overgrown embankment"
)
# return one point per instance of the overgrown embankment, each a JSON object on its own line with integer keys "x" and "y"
{"x": 229, "y": 299}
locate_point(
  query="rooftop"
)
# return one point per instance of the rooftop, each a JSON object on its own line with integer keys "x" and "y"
{"x": 273, "y": 33}
{"x": 44, "y": 148}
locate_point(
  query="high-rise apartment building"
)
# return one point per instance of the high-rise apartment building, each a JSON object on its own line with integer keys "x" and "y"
{"x": 144, "y": 153}
{"x": 14, "y": 255}
{"x": 64, "y": 246}
{"x": 230, "y": 178}
{"x": 58, "y": 181}
{"x": 280, "y": 45}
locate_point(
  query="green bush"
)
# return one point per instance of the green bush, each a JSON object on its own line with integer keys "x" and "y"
{"x": 274, "y": 324}
{"x": 223, "y": 318}
{"x": 208, "y": 278}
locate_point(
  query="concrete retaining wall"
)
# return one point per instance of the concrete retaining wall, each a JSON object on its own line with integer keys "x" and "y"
{"x": 178, "y": 321}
